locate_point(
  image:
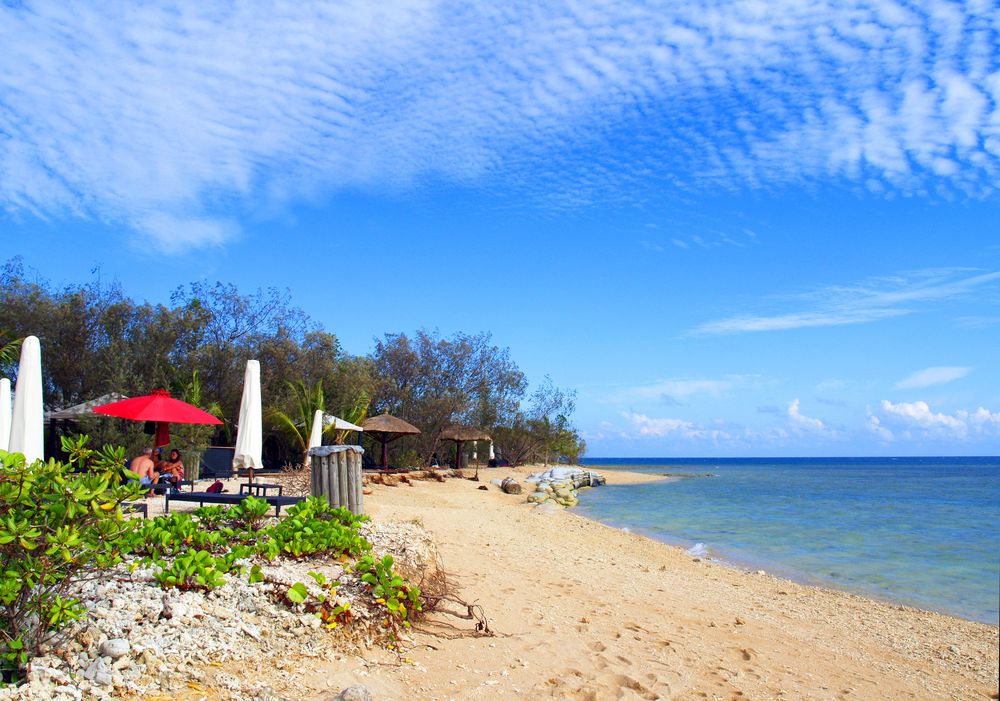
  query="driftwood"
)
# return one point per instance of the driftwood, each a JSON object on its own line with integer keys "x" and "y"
{"x": 510, "y": 486}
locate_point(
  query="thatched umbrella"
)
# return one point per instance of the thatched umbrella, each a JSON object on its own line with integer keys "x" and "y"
{"x": 386, "y": 428}
{"x": 460, "y": 434}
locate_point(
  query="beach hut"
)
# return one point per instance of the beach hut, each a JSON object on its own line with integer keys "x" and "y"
{"x": 385, "y": 429}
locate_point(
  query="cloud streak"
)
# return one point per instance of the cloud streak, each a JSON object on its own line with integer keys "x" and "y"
{"x": 873, "y": 300}
{"x": 178, "y": 120}
{"x": 928, "y": 377}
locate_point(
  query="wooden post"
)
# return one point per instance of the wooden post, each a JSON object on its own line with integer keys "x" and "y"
{"x": 318, "y": 465}
{"x": 342, "y": 479}
{"x": 336, "y": 477}
{"x": 356, "y": 467}
{"x": 333, "y": 496}
{"x": 352, "y": 483}
{"x": 313, "y": 480}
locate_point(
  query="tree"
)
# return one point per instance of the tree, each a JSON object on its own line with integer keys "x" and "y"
{"x": 549, "y": 415}
{"x": 432, "y": 382}
{"x": 298, "y": 425}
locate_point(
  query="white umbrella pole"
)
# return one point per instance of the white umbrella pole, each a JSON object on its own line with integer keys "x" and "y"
{"x": 4, "y": 413}
{"x": 27, "y": 419}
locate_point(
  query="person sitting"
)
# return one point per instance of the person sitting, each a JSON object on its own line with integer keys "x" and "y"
{"x": 172, "y": 469}
{"x": 144, "y": 468}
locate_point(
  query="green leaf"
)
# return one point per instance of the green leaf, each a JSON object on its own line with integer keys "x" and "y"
{"x": 297, "y": 593}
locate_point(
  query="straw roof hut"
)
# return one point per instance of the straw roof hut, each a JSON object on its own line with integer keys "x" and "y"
{"x": 386, "y": 428}
{"x": 460, "y": 434}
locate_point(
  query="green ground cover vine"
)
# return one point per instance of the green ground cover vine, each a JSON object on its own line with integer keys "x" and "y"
{"x": 61, "y": 523}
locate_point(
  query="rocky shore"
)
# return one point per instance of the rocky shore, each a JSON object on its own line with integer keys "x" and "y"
{"x": 561, "y": 485}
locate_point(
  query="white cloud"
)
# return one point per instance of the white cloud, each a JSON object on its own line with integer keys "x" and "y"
{"x": 871, "y": 300}
{"x": 929, "y": 377}
{"x": 190, "y": 113}
{"x": 801, "y": 422}
{"x": 916, "y": 420}
{"x": 647, "y": 427}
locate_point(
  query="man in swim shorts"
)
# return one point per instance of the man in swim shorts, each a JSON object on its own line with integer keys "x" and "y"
{"x": 144, "y": 468}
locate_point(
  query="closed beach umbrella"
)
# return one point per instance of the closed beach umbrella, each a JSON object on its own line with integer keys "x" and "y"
{"x": 4, "y": 413}
{"x": 250, "y": 430}
{"x": 315, "y": 435}
{"x": 27, "y": 419}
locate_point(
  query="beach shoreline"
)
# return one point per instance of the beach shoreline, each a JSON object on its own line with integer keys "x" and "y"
{"x": 583, "y": 610}
{"x": 586, "y": 610}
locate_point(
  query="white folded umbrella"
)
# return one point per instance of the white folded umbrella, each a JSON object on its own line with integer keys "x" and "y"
{"x": 27, "y": 419}
{"x": 4, "y": 413}
{"x": 250, "y": 430}
{"x": 316, "y": 435}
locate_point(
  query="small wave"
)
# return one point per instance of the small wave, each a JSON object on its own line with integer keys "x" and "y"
{"x": 698, "y": 550}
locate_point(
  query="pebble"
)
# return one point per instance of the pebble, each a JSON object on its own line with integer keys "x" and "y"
{"x": 354, "y": 693}
{"x": 114, "y": 648}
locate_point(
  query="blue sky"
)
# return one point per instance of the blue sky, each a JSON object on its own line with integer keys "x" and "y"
{"x": 754, "y": 228}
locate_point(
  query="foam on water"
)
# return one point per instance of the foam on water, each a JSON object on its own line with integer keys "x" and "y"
{"x": 698, "y": 550}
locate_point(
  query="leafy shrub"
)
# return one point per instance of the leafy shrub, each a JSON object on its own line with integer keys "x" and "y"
{"x": 250, "y": 513}
{"x": 195, "y": 570}
{"x": 59, "y": 523}
{"x": 327, "y": 607}
{"x": 312, "y": 527}
{"x": 389, "y": 590}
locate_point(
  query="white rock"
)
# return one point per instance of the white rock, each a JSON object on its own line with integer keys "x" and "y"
{"x": 115, "y": 648}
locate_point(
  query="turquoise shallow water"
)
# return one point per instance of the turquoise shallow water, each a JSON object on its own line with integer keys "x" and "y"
{"x": 920, "y": 531}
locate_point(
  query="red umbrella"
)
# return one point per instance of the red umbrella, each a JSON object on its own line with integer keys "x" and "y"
{"x": 160, "y": 408}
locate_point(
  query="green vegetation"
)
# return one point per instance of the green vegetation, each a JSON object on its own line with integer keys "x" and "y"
{"x": 96, "y": 340}
{"x": 60, "y": 522}
{"x": 389, "y": 590}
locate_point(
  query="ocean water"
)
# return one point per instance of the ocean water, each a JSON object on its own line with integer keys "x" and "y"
{"x": 919, "y": 531}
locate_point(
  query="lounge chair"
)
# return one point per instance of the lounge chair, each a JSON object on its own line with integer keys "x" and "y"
{"x": 203, "y": 498}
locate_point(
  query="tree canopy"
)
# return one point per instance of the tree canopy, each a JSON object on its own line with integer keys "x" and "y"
{"x": 96, "y": 340}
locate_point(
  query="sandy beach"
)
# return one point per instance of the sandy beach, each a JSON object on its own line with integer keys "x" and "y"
{"x": 584, "y": 611}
